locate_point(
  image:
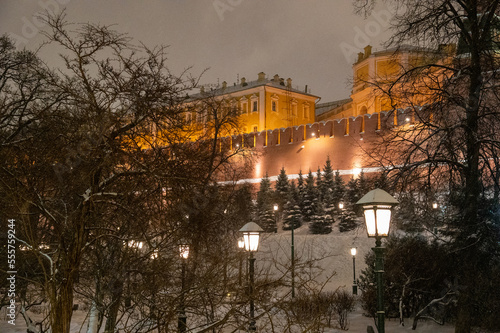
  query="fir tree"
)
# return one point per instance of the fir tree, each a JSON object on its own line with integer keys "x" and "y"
{"x": 265, "y": 214}
{"x": 310, "y": 198}
{"x": 348, "y": 219}
{"x": 321, "y": 222}
{"x": 327, "y": 186}
{"x": 352, "y": 191}
{"x": 293, "y": 216}
{"x": 339, "y": 189}
{"x": 319, "y": 185}
{"x": 281, "y": 189}
{"x": 300, "y": 193}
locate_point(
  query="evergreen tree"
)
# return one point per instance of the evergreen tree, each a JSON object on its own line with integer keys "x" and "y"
{"x": 364, "y": 185}
{"x": 321, "y": 222}
{"x": 352, "y": 191}
{"x": 281, "y": 189}
{"x": 310, "y": 198}
{"x": 300, "y": 193}
{"x": 265, "y": 214}
{"x": 292, "y": 215}
{"x": 348, "y": 220}
{"x": 339, "y": 189}
{"x": 319, "y": 185}
{"x": 327, "y": 186}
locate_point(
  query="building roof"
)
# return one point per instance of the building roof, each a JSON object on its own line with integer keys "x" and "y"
{"x": 275, "y": 82}
{"x": 325, "y": 107}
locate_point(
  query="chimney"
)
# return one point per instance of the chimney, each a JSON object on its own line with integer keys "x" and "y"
{"x": 262, "y": 77}
{"x": 276, "y": 78}
{"x": 224, "y": 84}
{"x": 243, "y": 82}
{"x": 288, "y": 83}
{"x": 368, "y": 51}
{"x": 360, "y": 56}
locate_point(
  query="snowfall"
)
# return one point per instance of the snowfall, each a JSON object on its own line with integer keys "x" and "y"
{"x": 334, "y": 258}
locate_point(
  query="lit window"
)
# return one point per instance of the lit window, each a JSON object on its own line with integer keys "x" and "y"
{"x": 273, "y": 105}
{"x": 255, "y": 128}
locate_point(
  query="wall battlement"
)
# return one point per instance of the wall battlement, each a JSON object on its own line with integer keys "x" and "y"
{"x": 307, "y": 147}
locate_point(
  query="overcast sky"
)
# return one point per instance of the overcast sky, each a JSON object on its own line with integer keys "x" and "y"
{"x": 314, "y": 42}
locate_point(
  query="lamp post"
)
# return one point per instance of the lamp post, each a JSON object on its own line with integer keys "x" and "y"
{"x": 251, "y": 234}
{"x": 182, "y": 319}
{"x": 354, "y": 283}
{"x": 377, "y": 207}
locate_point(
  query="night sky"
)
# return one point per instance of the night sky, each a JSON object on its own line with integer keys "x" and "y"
{"x": 314, "y": 42}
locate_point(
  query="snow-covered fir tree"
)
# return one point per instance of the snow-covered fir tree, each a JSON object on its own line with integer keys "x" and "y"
{"x": 327, "y": 185}
{"x": 339, "y": 189}
{"x": 310, "y": 198}
{"x": 291, "y": 211}
{"x": 321, "y": 222}
{"x": 265, "y": 216}
{"x": 281, "y": 190}
{"x": 301, "y": 191}
{"x": 347, "y": 218}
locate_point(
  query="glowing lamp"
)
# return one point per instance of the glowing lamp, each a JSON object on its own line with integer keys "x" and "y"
{"x": 184, "y": 251}
{"x": 241, "y": 244}
{"x": 377, "y": 206}
{"x": 341, "y": 205}
{"x": 251, "y": 235}
{"x": 275, "y": 207}
{"x": 353, "y": 251}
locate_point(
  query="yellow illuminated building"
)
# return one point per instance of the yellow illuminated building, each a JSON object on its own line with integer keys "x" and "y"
{"x": 261, "y": 105}
{"x": 376, "y": 87}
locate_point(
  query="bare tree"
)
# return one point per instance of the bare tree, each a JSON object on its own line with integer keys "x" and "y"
{"x": 452, "y": 145}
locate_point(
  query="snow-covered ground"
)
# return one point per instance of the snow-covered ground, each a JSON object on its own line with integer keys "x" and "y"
{"x": 331, "y": 253}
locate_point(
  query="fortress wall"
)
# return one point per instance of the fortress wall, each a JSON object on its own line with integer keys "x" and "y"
{"x": 297, "y": 149}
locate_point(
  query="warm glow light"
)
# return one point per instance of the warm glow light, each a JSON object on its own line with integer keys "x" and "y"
{"x": 302, "y": 146}
{"x": 313, "y": 134}
{"x": 341, "y": 205}
{"x": 275, "y": 207}
{"x": 353, "y": 251}
{"x": 251, "y": 240}
{"x": 356, "y": 172}
{"x": 154, "y": 255}
{"x": 408, "y": 119}
{"x": 377, "y": 220}
{"x": 241, "y": 243}
{"x": 435, "y": 205}
{"x": 251, "y": 234}
{"x": 135, "y": 244}
{"x": 184, "y": 251}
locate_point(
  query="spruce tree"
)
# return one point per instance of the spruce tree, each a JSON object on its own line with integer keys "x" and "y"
{"x": 339, "y": 189}
{"x": 310, "y": 198}
{"x": 327, "y": 188}
{"x": 281, "y": 189}
{"x": 265, "y": 214}
{"x": 347, "y": 219}
{"x": 291, "y": 211}
{"x": 300, "y": 193}
{"x": 321, "y": 222}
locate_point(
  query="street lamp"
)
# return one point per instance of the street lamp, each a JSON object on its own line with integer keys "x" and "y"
{"x": 377, "y": 207}
{"x": 182, "y": 319}
{"x": 354, "y": 284}
{"x": 341, "y": 205}
{"x": 251, "y": 234}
